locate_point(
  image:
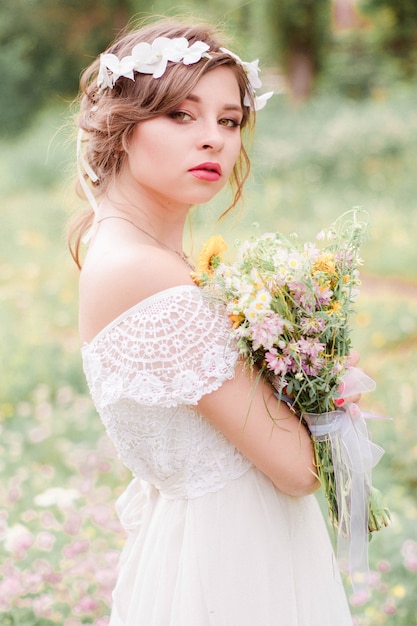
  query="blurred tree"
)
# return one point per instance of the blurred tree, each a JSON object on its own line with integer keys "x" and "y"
{"x": 44, "y": 44}
{"x": 300, "y": 35}
{"x": 395, "y": 23}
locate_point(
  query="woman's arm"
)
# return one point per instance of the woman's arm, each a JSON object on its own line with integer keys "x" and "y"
{"x": 246, "y": 411}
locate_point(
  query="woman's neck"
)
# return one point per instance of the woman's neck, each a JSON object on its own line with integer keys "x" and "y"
{"x": 162, "y": 222}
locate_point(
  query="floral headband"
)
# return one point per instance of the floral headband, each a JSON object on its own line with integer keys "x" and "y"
{"x": 153, "y": 59}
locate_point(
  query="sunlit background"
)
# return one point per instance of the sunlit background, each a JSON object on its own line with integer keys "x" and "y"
{"x": 340, "y": 132}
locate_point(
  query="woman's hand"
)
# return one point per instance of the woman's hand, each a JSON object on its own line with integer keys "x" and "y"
{"x": 344, "y": 398}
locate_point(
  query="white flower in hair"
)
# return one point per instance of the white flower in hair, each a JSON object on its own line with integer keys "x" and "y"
{"x": 260, "y": 101}
{"x": 195, "y": 52}
{"x": 252, "y": 70}
{"x": 151, "y": 58}
{"x": 122, "y": 67}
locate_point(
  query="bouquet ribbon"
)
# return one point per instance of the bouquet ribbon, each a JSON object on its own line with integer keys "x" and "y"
{"x": 353, "y": 455}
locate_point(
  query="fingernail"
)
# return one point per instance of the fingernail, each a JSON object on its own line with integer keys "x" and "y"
{"x": 339, "y": 401}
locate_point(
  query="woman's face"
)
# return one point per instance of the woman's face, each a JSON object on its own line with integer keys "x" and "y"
{"x": 186, "y": 157}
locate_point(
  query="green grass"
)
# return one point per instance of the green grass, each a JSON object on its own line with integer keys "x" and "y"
{"x": 310, "y": 164}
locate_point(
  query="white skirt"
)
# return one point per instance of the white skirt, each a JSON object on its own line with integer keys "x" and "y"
{"x": 246, "y": 555}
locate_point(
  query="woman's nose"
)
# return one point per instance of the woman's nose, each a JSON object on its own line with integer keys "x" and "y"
{"x": 212, "y": 137}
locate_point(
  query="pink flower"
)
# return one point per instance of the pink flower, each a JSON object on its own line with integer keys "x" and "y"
{"x": 279, "y": 364}
{"x": 360, "y": 597}
{"x": 323, "y": 294}
{"x": 42, "y": 605}
{"x": 302, "y": 296}
{"x": 87, "y": 604}
{"x": 409, "y": 552}
{"x": 77, "y": 547}
{"x": 389, "y": 608}
{"x": 32, "y": 582}
{"x": 266, "y": 332}
{"x": 311, "y": 347}
{"x": 10, "y": 588}
{"x": 73, "y": 524}
{"x": 312, "y": 325}
{"x": 45, "y": 540}
{"x": 311, "y": 351}
{"x": 383, "y": 566}
{"x": 100, "y": 514}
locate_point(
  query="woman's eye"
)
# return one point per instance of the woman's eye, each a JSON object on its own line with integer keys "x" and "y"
{"x": 229, "y": 123}
{"x": 180, "y": 116}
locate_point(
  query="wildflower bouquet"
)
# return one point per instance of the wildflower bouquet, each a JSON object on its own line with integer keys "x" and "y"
{"x": 290, "y": 305}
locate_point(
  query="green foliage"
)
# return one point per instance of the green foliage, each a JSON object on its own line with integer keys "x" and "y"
{"x": 300, "y": 26}
{"x": 44, "y": 44}
{"x": 355, "y": 67}
{"x": 24, "y": 617}
{"x": 395, "y": 26}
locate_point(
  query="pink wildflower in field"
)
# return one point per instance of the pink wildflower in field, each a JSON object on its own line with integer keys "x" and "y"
{"x": 383, "y": 566}
{"x": 77, "y": 547}
{"x": 48, "y": 520}
{"x": 73, "y": 524}
{"x": 360, "y": 597}
{"x": 10, "y": 587}
{"x": 32, "y": 581}
{"x": 374, "y": 580}
{"x": 43, "y": 605}
{"x": 409, "y": 553}
{"x": 389, "y": 608}
{"x": 45, "y": 540}
{"x": 100, "y": 514}
{"x": 87, "y": 604}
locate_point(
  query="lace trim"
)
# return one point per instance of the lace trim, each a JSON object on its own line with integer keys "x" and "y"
{"x": 161, "y": 295}
{"x": 169, "y": 349}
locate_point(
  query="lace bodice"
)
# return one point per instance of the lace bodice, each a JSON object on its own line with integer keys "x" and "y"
{"x": 146, "y": 372}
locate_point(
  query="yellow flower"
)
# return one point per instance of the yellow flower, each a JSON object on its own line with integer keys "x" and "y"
{"x": 325, "y": 263}
{"x": 196, "y": 278}
{"x": 398, "y": 591}
{"x": 334, "y": 308}
{"x": 210, "y": 254}
{"x": 236, "y": 319}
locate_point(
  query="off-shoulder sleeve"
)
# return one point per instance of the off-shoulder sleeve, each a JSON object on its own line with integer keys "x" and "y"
{"x": 168, "y": 350}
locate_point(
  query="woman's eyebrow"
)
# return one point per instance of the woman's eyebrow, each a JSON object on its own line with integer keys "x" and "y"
{"x": 228, "y": 107}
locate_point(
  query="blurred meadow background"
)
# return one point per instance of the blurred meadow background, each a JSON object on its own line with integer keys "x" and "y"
{"x": 340, "y": 132}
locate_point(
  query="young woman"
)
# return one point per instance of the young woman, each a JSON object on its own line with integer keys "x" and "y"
{"x": 223, "y": 529}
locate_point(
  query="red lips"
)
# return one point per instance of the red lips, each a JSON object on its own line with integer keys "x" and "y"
{"x": 210, "y": 172}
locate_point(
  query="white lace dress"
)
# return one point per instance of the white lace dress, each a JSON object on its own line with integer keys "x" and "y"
{"x": 211, "y": 541}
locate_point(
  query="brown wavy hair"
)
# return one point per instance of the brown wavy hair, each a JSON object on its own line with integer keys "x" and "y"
{"x": 109, "y": 116}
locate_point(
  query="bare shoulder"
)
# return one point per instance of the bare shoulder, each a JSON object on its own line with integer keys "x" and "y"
{"x": 112, "y": 281}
